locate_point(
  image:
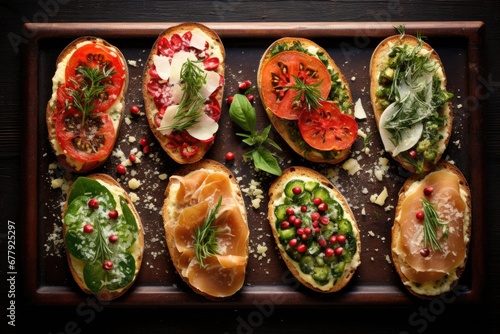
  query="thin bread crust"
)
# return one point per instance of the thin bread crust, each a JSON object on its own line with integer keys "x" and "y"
{"x": 377, "y": 65}
{"x": 149, "y": 103}
{"x": 49, "y": 112}
{"x": 275, "y": 192}
{"x": 105, "y": 294}
{"x": 211, "y": 166}
{"x": 288, "y": 129}
{"x": 396, "y": 228}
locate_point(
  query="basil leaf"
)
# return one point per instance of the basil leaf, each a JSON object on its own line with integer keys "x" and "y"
{"x": 85, "y": 186}
{"x": 78, "y": 245}
{"x": 126, "y": 272}
{"x": 264, "y": 160}
{"x": 242, "y": 113}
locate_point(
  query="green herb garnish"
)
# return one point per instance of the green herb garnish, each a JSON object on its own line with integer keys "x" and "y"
{"x": 431, "y": 223}
{"x": 205, "y": 242}
{"x": 307, "y": 92}
{"x": 92, "y": 87}
{"x": 243, "y": 114}
{"x": 190, "y": 107}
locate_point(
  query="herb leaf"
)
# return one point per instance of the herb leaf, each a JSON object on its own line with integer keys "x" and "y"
{"x": 307, "y": 92}
{"x": 205, "y": 244}
{"x": 431, "y": 223}
{"x": 243, "y": 114}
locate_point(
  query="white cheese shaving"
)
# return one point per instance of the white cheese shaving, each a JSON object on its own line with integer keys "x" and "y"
{"x": 198, "y": 39}
{"x": 351, "y": 166}
{"x": 380, "y": 198}
{"x": 162, "y": 65}
{"x": 203, "y": 129}
{"x": 212, "y": 82}
{"x": 359, "y": 111}
{"x": 178, "y": 60}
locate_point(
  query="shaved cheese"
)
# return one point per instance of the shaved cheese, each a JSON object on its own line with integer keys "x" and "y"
{"x": 212, "y": 82}
{"x": 198, "y": 39}
{"x": 162, "y": 65}
{"x": 178, "y": 60}
{"x": 177, "y": 93}
{"x": 359, "y": 111}
{"x": 168, "y": 119}
{"x": 204, "y": 129}
{"x": 380, "y": 198}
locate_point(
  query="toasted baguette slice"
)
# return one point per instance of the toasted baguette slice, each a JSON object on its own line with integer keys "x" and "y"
{"x": 192, "y": 196}
{"x": 85, "y": 162}
{"x": 320, "y": 263}
{"x": 340, "y": 94}
{"x": 120, "y": 234}
{"x": 381, "y": 76}
{"x": 425, "y": 272}
{"x": 213, "y": 57}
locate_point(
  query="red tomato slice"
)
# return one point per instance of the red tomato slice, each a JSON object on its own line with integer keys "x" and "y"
{"x": 278, "y": 75}
{"x": 327, "y": 128}
{"x": 88, "y": 141}
{"x": 98, "y": 56}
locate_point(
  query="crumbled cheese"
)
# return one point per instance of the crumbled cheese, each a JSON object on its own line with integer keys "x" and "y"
{"x": 359, "y": 111}
{"x": 380, "y": 198}
{"x": 254, "y": 192}
{"x": 134, "y": 183}
{"x": 133, "y": 197}
{"x": 56, "y": 183}
{"x": 351, "y": 166}
{"x": 163, "y": 176}
{"x": 131, "y": 139}
{"x": 132, "y": 62}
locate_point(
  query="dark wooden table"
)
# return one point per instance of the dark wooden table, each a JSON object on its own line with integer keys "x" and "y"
{"x": 86, "y": 317}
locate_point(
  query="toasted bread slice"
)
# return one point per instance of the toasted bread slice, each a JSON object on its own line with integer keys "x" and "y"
{"x": 340, "y": 94}
{"x": 191, "y": 198}
{"x": 114, "y": 224}
{"x": 381, "y": 76}
{"x": 213, "y": 57}
{"x": 85, "y": 162}
{"x": 424, "y": 271}
{"x": 322, "y": 249}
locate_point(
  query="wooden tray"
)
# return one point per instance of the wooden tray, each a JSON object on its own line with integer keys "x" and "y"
{"x": 47, "y": 277}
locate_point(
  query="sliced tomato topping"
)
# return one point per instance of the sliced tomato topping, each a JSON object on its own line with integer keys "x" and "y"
{"x": 210, "y": 64}
{"x": 94, "y": 56}
{"x": 85, "y": 140}
{"x": 188, "y": 151}
{"x": 327, "y": 128}
{"x": 279, "y": 77}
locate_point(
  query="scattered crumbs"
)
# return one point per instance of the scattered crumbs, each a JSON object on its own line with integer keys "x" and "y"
{"x": 353, "y": 78}
{"x": 254, "y": 192}
{"x": 351, "y": 166}
{"x": 388, "y": 259}
{"x": 371, "y": 234}
{"x": 380, "y": 198}
{"x": 133, "y": 197}
{"x": 163, "y": 176}
{"x": 132, "y": 62}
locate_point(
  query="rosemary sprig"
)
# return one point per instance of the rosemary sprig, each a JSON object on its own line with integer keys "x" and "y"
{"x": 92, "y": 85}
{"x": 307, "y": 91}
{"x": 189, "y": 109}
{"x": 431, "y": 223}
{"x": 205, "y": 243}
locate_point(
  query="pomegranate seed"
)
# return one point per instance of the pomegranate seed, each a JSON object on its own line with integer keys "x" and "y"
{"x": 315, "y": 224}
{"x": 428, "y": 191}
{"x": 317, "y": 201}
{"x": 293, "y": 242}
{"x": 229, "y": 156}
{"x": 300, "y": 230}
{"x": 297, "y": 190}
{"x": 341, "y": 238}
{"x": 323, "y": 206}
{"x": 93, "y": 203}
{"x": 301, "y": 248}
{"x": 113, "y": 214}
{"x": 88, "y": 228}
{"x": 297, "y": 222}
{"x": 315, "y": 215}
{"x": 113, "y": 238}
{"x": 292, "y": 218}
{"x": 413, "y": 154}
{"x": 329, "y": 252}
{"x": 425, "y": 252}
{"x": 333, "y": 239}
{"x": 324, "y": 220}
{"x": 250, "y": 97}
{"x": 322, "y": 242}
{"x": 290, "y": 211}
{"x": 121, "y": 169}
{"x": 245, "y": 84}
{"x": 230, "y": 99}
{"x": 307, "y": 230}
{"x": 134, "y": 110}
{"x": 304, "y": 236}
{"x": 143, "y": 142}
{"x": 145, "y": 149}
{"x": 107, "y": 265}
{"x": 339, "y": 251}
{"x": 303, "y": 208}
{"x": 132, "y": 158}
{"x": 285, "y": 224}
{"x": 420, "y": 215}
{"x": 317, "y": 230}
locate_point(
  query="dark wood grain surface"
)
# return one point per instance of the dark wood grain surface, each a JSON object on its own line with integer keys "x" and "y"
{"x": 259, "y": 316}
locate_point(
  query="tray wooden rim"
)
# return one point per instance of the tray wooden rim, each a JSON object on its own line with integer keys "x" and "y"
{"x": 153, "y": 296}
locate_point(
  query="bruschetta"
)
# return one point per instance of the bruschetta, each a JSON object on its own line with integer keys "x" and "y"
{"x": 307, "y": 99}
{"x": 183, "y": 84}
{"x": 411, "y": 104}
{"x": 314, "y": 228}
{"x": 103, "y": 236}
{"x": 86, "y": 108}
{"x": 206, "y": 228}
{"x": 432, "y": 230}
